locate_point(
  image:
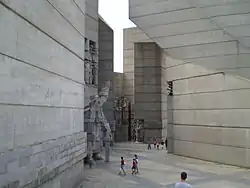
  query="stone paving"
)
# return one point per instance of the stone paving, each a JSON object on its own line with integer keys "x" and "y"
{"x": 159, "y": 169}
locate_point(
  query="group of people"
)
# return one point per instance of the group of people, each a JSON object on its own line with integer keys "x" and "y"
{"x": 158, "y": 144}
{"x": 134, "y": 168}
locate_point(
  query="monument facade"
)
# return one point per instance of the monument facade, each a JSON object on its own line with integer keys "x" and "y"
{"x": 99, "y": 72}
{"x": 48, "y": 60}
{"x": 205, "y": 52}
{"x": 42, "y": 138}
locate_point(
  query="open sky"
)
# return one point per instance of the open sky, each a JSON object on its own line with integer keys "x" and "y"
{"x": 115, "y": 13}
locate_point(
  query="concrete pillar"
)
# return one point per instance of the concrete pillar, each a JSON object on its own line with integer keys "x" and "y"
{"x": 148, "y": 86}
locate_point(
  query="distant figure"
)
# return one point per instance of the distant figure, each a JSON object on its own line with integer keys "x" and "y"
{"x": 122, "y": 167}
{"x": 154, "y": 142}
{"x": 162, "y": 145}
{"x": 137, "y": 164}
{"x": 90, "y": 162}
{"x": 134, "y": 167}
{"x": 182, "y": 183}
{"x": 166, "y": 144}
{"x": 158, "y": 146}
{"x": 149, "y": 145}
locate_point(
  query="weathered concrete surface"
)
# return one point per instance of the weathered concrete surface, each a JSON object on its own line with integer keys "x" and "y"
{"x": 130, "y": 36}
{"x": 159, "y": 169}
{"x": 207, "y": 55}
{"x": 106, "y": 65}
{"x": 42, "y": 139}
{"x": 148, "y": 100}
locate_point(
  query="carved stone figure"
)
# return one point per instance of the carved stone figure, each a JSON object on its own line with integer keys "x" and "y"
{"x": 97, "y": 126}
{"x": 137, "y": 126}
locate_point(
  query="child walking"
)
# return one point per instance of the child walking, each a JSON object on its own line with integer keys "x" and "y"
{"x": 134, "y": 167}
{"x": 122, "y": 167}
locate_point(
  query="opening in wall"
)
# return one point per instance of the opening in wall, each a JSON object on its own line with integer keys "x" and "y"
{"x": 170, "y": 88}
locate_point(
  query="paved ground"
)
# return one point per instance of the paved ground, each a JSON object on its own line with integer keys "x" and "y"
{"x": 159, "y": 169}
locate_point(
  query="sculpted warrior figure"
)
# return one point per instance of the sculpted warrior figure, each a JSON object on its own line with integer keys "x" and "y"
{"x": 97, "y": 118}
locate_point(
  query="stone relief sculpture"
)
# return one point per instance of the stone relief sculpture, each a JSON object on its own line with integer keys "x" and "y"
{"x": 97, "y": 126}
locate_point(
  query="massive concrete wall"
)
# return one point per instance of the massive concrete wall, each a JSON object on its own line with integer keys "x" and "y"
{"x": 210, "y": 113}
{"x": 149, "y": 86}
{"x": 144, "y": 65}
{"x": 106, "y": 64}
{"x": 42, "y": 142}
{"x": 130, "y": 36}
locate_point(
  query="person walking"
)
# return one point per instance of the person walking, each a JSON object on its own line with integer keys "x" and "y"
{"x": 183, "y": 183}
{"x": 137, "y": 164}
{"x": 122, "y": 167}
{"x": 134, "y": 167}
{"x": 166, "y": 144}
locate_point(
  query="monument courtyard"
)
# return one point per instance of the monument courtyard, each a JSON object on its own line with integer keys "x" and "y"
{"x": 162, "y": 170}
{"x": 185, "y": 82}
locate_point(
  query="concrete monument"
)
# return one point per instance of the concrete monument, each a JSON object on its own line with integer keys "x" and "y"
{"x": 96, "y": 124}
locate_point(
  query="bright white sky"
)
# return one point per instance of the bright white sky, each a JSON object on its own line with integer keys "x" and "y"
{"x": 115, "y": 13}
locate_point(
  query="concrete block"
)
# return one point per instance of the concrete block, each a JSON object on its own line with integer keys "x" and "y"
{"x": 218, "y": 100}
{"x": 232, "y": 20}
{"x": 93, "y": 4}
{"x": 217, "y": 153}
{"x": 51, "y": 56}
{"x": 187, "y": 71}
{"x": 148, "y": 88}
{"x": 178, "y": 28}
{"x": 229, "y": 117}
{"x": 45, "y": 126}
{"x": 42, "y": 89}
{"x": 147, "y": 114}
{"x": 197, "y": 51}
{"x": 81, "y": 4}
{"x": 194, "y": 39}
{"x": 156, "y": 7}
{"x": 148, "y": 106}
{"x": 142, "y": 80}
{"x": 235, "y": 137}
{"x": 38, "y": 9}
{"x": 144, "y": 97}
{"x": 73, "y": 12}
{"x": 167, "y": 18}
{"x": 128, "y": 53}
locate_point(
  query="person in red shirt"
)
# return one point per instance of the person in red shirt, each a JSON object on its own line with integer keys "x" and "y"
{"x": 122, "y": 167}
{"x": 134, "y": 167}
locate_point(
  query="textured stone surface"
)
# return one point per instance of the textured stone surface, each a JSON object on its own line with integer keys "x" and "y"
{"x": 148, "y": 101}
{"x": 42, "y": 101}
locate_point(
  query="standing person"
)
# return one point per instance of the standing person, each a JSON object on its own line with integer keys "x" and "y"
{"x": 134, "y": 167}
{"x": 162, "y": 144}
{"x": 149, "y": 145}
{"x": 183, "y": 183}
{"x": 166, "y": 144}
{"x": 158, "y": 145}
{"x": 154, "y": 142}
{"x": 137, "y": 164}
{"x": 122, "y": 167}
